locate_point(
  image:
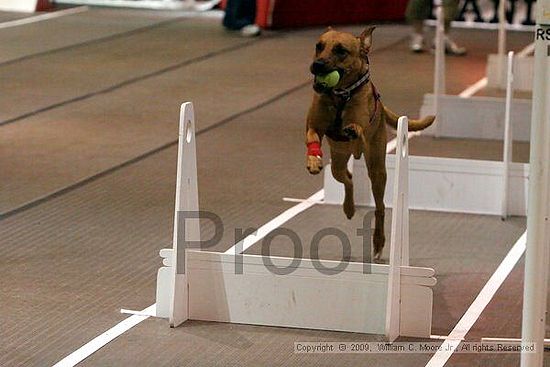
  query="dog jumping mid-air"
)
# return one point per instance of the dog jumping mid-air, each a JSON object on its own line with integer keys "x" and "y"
{"x": 352, "y": 117}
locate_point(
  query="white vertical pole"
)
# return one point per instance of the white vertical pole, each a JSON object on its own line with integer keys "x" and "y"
{"x": 187, "y": 201}
{"x": 536, "y": 259}
{"x": 399, "y": 246}
{"x": 439, "y": 73}
{"x": 501, "y": 40}
{"x": 404, "y": 190}
{"x": 507, "y": 154}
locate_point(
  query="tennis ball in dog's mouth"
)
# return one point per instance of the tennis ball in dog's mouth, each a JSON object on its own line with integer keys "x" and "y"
{"x": 328, "y": 80}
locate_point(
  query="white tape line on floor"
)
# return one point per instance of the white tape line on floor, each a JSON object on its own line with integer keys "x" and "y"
{"x": 480, "y": 303}
{"x": 100, "y": 341}
{"x": 41, "y": 17}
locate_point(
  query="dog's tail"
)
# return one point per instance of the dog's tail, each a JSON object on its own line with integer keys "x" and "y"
{"x": 414, "y": 125}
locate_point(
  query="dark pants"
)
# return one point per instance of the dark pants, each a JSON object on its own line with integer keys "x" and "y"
{"x": 239, "y": 13}
{"x": 420, "y": 10}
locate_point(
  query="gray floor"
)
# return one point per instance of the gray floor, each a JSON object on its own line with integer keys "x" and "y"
{"x": 88, "y": 121}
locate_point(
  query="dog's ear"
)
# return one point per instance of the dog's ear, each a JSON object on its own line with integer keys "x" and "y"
{"x": 366, "y": 39}
{"x": 329, "y": 28}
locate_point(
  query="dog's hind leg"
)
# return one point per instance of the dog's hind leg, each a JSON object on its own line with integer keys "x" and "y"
{"x": 341, "y": 174}
{"x": 376, "y": 164}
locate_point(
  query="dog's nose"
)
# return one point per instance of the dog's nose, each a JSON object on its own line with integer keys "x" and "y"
{"x": 318, "y": 67}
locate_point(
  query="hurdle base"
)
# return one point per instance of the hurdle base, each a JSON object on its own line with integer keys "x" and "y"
{"x": 443, "y": 184}
{"x": 477, "y": 117}
{"x": 353, "y": 300}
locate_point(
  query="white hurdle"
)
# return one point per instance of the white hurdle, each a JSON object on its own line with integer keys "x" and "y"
{"x": 394, "y": 299}
{"x": 446, "y": 185}
{"x": 399, "y": 246}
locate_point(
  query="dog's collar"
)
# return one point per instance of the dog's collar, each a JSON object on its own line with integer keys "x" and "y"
{"x": 345, "y": 93}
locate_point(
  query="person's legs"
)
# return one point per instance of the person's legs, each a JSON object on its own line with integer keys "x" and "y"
{"x": 451, "y": 8}
{"x": 230, "y": 15}
{"x": 239, "y": 13}
{"x": 248, "y": 11}
{"x": 417, "y": 12}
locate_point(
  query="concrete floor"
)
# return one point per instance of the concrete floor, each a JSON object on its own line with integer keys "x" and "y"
{"x": 88, "y": 114}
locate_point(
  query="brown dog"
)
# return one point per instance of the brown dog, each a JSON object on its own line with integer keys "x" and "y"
{"x": 353, "y": 119}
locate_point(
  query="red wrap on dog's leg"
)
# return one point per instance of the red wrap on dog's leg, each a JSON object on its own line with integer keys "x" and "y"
{"x": 314, "y": 149}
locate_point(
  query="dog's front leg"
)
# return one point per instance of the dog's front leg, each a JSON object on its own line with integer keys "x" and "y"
{"x": 352, "y": 131}
{"x": 339, "y": 165}
{"x": 375, "y": 158}
{"x": 314, "y": 153}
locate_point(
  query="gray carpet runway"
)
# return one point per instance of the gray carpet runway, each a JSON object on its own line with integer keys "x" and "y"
{"x": 89, "y": 105}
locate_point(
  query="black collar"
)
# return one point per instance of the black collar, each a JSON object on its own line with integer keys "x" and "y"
{"x": 346, "y": 93}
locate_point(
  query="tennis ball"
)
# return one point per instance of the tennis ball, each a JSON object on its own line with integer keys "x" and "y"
{"x": 328, "y": 80}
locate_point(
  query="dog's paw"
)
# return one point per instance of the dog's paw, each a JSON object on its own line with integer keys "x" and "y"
{"x": 314, "y": 164}
{"x": 349, "y": 208}
{"x": 377, "y": 259}
{"x": 378, "y": 240}
{"x": 351, "y": 131}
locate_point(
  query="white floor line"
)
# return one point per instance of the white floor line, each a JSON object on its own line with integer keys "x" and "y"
{"x": 482, "y": 83}
{"x": 100, "y": 341}
{"x": 191, "y": 6}
{"x": 41, "y": 17}
{"x": 144, "y": 4}
{"x": 276, "y": 223}
{"x": 474, "y": 88}
{"x": 476, "y": 308}
{"x": 528, "y": 50}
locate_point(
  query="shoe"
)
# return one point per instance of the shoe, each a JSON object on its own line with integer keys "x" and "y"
{"x": 417, "y": 42}
{"x": 251, "y": 30}
{"x": 452, "y": 48}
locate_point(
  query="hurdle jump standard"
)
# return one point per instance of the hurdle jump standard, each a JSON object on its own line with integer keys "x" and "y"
{"x": 476, "y": 117}
{"x": 394, "y": 299}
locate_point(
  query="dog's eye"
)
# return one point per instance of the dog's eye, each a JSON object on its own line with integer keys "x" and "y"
{"x": 340, "y": 50}
{"x": 319, "y": 47}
